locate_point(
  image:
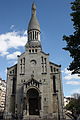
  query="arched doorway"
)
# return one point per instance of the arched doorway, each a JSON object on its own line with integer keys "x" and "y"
{"x": 34, "y": 101}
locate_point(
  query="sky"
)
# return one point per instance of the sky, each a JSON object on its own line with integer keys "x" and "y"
{"x": 55, "y": 21}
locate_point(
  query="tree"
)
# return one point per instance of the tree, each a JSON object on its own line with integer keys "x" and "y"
{"x": 76, "y": 95}
{"x": 73, "y": 41}
{"x": 74, "y": 106}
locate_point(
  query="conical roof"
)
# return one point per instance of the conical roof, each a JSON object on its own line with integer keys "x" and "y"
{"x": 33, "y": 24}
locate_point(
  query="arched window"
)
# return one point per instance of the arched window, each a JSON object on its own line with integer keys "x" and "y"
{"x": 35, "y": 35}
{"x": 54, "y": 84}
{"x": 51, "y": 68}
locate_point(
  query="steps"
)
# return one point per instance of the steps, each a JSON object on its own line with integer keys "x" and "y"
{"x": 38, "y": 118}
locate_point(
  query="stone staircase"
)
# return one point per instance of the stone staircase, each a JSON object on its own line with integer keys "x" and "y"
{"x": 39, "y": 118}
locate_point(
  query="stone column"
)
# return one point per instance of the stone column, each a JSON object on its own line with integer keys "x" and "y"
{"x": 31, "y": 35}
{"x": 34, "y": 35}
{"x": 39, "y": 36}
{"x": 24, "y": 112}
{"x": 27, "y": 107}
{"x": 41, "y": 111}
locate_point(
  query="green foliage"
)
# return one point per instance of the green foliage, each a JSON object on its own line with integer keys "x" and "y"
{"x": 73, "y": 41}
{"x": 74, "y": 107}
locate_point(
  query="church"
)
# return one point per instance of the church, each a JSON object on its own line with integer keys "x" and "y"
{"x": 34, "y": 84}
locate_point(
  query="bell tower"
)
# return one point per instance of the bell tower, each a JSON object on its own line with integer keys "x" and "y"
{"x": 33, "y": 44}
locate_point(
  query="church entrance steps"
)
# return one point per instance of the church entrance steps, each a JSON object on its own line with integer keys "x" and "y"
{"x": 39, "y": 118}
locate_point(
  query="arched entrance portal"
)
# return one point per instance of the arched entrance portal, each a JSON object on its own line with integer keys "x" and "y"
{"x": 34, "y": 101}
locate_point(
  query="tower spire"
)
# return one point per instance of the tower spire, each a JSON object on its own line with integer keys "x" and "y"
{"x": 33, "y": 31}
{"x": 34, "y": 24}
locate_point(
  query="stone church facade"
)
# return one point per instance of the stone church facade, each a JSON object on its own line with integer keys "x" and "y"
{"x": 34, "y": 87}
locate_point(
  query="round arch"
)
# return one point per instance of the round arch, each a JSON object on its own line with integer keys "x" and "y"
{"x": 33, "y": 87}
{"x": 34, "y": 101}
